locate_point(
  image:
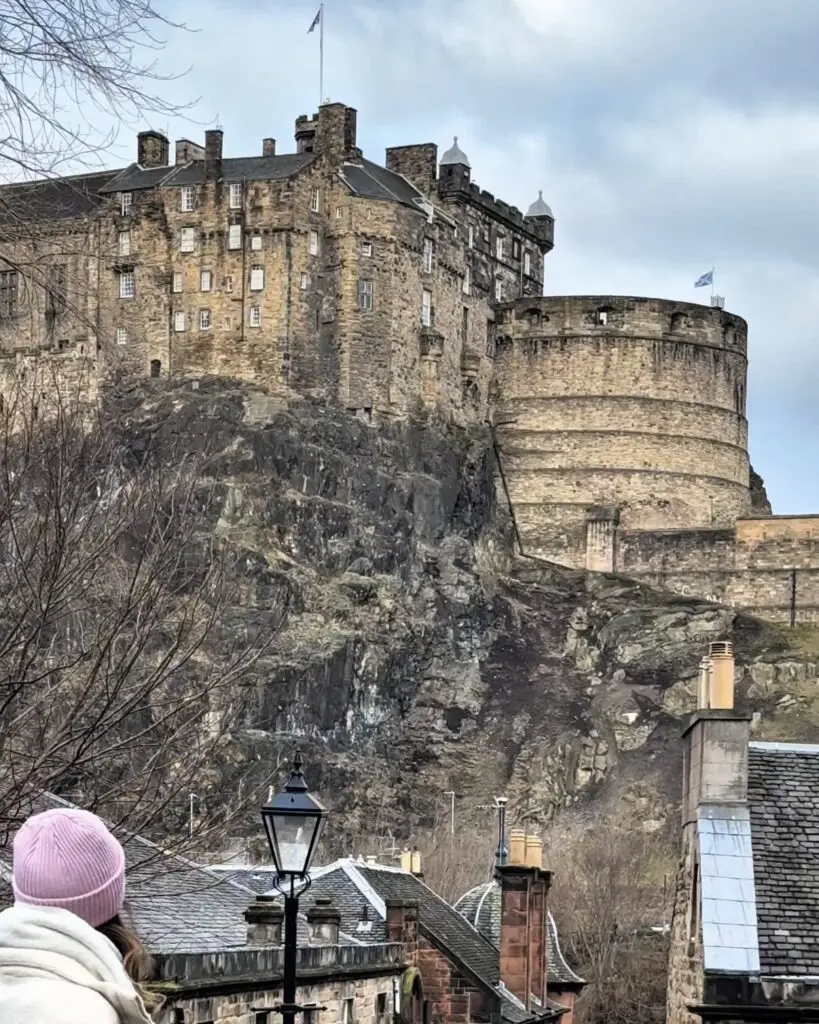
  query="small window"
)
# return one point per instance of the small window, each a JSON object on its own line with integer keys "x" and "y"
{"x": 156, "y": 367}
{"x": 127, "y": 284}
{"x": 381, "y": 1008}
{"x": 235, "y": 195}
{"x": 527, "y": 263}
{"x": 366, "y": 248}
{"x": 471, "y": 239}
{"x": 314, "y": 243}
{"x": 256, "y": 241}
{"x": 315, "y": 199}
{"x": 338, "y": 213}
{"x": 304, "y": 282}
{"x": 602, "y": 317}
{"x": 124, "y": 243}
{"x": 179, "y": 322}
{"x": 465, "y": 322}
{"x": 188, "y": 198}
{"x": 125, "y": 202}
{"x": 365, "y": 295}
{"x": 467, "y": 281}
{"x": 235, "y": 236}
{"x": 8, "y": 293}
{"x": 428, "y": 255}
{"x": 348, "y": 1011}
{"x": 177, "y": 281}
{"x": 426, "y": 308}
{"x": 515, "y": 249}
{"x": 255, "y": 316}
{"x": 486, "y": 235}
{"x": 500, "y": 249}
{"x": 229, "y": 283}
{"x": 498, "y": 290}
{"x": 256, "y": 279}
{"x": 187, "y": 239}
{"x": 205, "y": 322}
{"x": 205, "y": 280}
{"x": 122, "y": 336}
{"x": 227, "y": 323}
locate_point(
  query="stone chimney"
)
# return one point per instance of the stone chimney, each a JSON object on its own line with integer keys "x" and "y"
{"x": 716, "y": 739}
{"x": 419, "y": 164}
{"x": 306, "y": 133}
{"x": 323, "y": 922}
{"x": 402, "y": 925}
{"x": 264, "y": 922}
{"x": 524, "y": 891}
{"x": 268, "y": 147}
{"x": 152, "y": 149}
{"x": 186, "y": 151}
{"x": 336, "y": 132}
{"x": 213, "y": 152}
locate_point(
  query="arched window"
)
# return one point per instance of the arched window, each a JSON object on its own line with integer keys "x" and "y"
{"x": 156, "y": 366}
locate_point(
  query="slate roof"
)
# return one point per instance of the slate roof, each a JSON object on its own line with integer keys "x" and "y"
{"x": 54, "y": 199}
{"x": 783, "y": 798}
{"x": 481, "y": 906}
{"x": 243, "y": 168}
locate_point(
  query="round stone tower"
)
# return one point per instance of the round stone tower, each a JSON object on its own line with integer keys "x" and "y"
{"x": 619, "y": 409}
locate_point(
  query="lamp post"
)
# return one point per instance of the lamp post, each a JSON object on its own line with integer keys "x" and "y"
{"x": 293, "y": 822}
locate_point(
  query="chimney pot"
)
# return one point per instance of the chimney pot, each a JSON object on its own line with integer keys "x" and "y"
{"x": 534, "y": 852}
{"x": 721, "y": 688}
{"x": 415, "y": 862}
{"x": 517, "y": 846}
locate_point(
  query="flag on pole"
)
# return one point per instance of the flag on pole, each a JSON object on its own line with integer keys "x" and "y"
{"x": 705, "y": 280}
{"x": 316, "y": 22}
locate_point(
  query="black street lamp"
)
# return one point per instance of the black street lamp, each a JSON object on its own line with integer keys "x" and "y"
{"x": 293, "y": 821}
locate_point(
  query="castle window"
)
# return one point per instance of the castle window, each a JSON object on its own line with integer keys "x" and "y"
{"x": 229, "y": 283}
{"x": 125, "y": 202}
{"x": 156, "y": 366}
{"x": 315, "y": 199}
{"x": 124, "y": 243}
{"x": 187, "y": 239}
{"x": 256, "y": 279}
{"x": 122, "y": 336}
{"x": 227, "y": 323}
{"x": 466, "y": 285}
{"x": 348, "y": 1011}
{"x": 365, "y": 295}
{"x": 304, "y": 282}
{"x": 177, "y": 281}
{"x": 205, "y": 280}
{"x": 255, "y": 316}
{"x": 256, "y": 241}
{"x": 471, "y": 238}
{"x": 188, "y": 198}
{"x": 127, "y": 284}
{"x": 486, "y": 235}
{"x": 313, "y": 243}
{"x": 235, "y": 236}
{"x": 235, "y": 196}
{"x": 205, "y": 322}
{"x": 602, "y": 317}
{"x": 527, "y": 263}
{"x": 490, "y": 338}
{"x": 56, "y": 290}
{"x": 498, "y": 290}
{"x": 338, "y": 213}
{"x": 8, "y": 293}
{"x": 500, "y": 250}
{"x": 426, "y": 308}
{"x": 465, "y": 323}
{"x": 179, "y": 322}
{"x": 428, "y": 255}
{"x": 515, "y": 249}
{"x": 366, "y": 248}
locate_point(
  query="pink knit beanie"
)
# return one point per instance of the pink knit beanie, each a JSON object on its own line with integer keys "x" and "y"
{"x": 68, "y": 858}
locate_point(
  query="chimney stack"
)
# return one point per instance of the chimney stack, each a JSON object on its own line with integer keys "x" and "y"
{"x": 187, "y": 151}
{"x": 268, "y": 147}
{"x": 213, "y": 152}
{"x": 264, "y": 922}
{"x": 323, "y": 922}
{"x": 152, "y": 149}
{"x": 402, "y": 925}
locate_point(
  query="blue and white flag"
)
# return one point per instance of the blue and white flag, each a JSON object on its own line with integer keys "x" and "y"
{"x": 316, "y": 22}
{"x": 706, "y": 279}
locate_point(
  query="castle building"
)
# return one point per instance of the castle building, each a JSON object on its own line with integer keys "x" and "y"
{"x": 317, "y": 271}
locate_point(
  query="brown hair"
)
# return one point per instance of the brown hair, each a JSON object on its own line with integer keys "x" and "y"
{"x": 136, "y": 959}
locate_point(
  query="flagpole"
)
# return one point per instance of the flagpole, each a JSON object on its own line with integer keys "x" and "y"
{"x": 321, "y": 52}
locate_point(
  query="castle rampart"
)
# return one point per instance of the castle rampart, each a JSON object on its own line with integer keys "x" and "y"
{"x": 627, "y": 402}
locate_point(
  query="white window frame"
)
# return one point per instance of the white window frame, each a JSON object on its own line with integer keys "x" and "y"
{"x": 124, "y": 243}
{"x": 234, "y": 236}
{"x": 365, "y": 294}
{"x": 205, "y": 320}
{"x": 313, "y": 243}
{"x": 122, "y": 336}
{"x": 471, "y": 240}
{"x": 127, "y": 284}
{"x": 205, "y": 280}
{"x": 187, "y": 239}
{"x": 235, "y": 195}
{"x": 257, "y": 278}
{"x": 366, "y": 248}
{"x": 304, "y": 282}
{"x": 338, "y": 213}
{"x": 256, "y": 241}
{"x": 527, "y": 263}
{"x": 179, "y": 323}
{"x": 429, "y": 255}
{"x": 315, "y": 199}
{"x": 187, "y": 198}
{"x": 227, "y": 322}
{"x": 255, "y": 316}
{"x": 177, "y": 282}
{"x": 500, "y": 248}
{"x": 126, "y": 201}
{"x": 467, "y": 281}
{"x": 498, "y": 290}
{"x": 426, "y": 308}
{"x": 229, "y": 283}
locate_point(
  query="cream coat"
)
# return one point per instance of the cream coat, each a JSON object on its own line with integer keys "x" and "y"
{"x": 56, "y": 969}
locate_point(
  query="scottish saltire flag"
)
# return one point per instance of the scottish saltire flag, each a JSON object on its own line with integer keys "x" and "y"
{"x": 706, "y": 279}
{"x": 316, "y": 22}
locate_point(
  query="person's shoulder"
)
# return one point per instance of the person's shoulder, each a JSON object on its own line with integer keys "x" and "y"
{"x": 56, "y": 1002}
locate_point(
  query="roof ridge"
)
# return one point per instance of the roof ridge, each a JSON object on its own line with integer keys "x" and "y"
{"x": 777, "y": 747}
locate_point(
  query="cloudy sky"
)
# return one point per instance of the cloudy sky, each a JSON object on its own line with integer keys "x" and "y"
{"x": 667, "y": 135}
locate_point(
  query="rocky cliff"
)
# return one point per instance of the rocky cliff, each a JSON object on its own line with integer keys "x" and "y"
{"x": 418, "y": 655}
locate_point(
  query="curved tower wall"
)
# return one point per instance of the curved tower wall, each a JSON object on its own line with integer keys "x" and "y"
{"x": 630, "y": 403}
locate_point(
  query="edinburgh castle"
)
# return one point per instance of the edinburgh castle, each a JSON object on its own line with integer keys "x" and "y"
{"x": 620, "y": 422}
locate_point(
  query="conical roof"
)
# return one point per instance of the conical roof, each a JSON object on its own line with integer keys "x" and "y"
{"x": 455, "y": 155}
{"x": 539, "y": 208}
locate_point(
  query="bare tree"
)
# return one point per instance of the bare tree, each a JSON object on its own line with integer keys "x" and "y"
{"x": 127, "y": 644}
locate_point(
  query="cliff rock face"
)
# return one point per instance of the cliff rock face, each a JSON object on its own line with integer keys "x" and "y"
{"x": 418, "y": 655}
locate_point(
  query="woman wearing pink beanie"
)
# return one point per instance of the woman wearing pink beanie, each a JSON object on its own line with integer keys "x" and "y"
{"x": 65, "y": 955}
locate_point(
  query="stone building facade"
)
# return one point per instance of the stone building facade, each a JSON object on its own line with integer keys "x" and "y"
{"x": 620, "y": 422}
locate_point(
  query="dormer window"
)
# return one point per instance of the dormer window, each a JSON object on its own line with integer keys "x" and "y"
{"x": 125, "y": 202}
{"x": 188, "y": 198}
{"x": 235, "y": 198}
